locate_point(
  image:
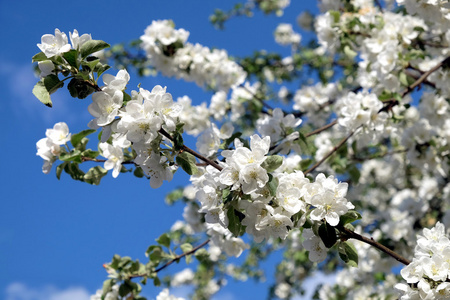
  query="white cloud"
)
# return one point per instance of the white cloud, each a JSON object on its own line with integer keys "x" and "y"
{"x": 20, "y": 291}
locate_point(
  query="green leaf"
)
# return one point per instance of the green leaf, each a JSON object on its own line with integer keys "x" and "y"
{"x": 348, "y": 254}
{"x": 305, "y": 163}
{"x": 78, "y": 88}
{"x": 227, "y": 196}
{"x": 42, "y": 94}
{"x": 94, "y": 175}
{"x": 187, "y": 162}
{"x": 138, "y": 172}
{"x": 59, "y": 169}
{"x": 124, "y": 289}
{"x": 107, "y": 285}
{"x": 72, "y": 58}
{"x": 403, "y": 79}
{"x": 164, "y": 240}
{"x": 76, "y": 138}
{"x": 328, "y": 235}
{"x": 186, "y": 247}
{"x": 234, "y": 222}
{"x": 100, "y": 69}
{"x": 173, "y": 196}
{"x": 89, "y": 153}
{"x": 272, "y": 185}
{"x": 350, "y": 52}
{"x": 39, "y": 57}
{"x": 92, "y": 46}
{"x": 349, "y": 217}
{"x": 156, "y": 281}
{"x": 74, "y": 155}
{"x": 272, "y": 163}
{"x": 91, "y": 64}
{"x": 177, "y": 141}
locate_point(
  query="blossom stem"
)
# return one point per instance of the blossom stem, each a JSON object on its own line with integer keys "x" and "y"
{"x": 353, "y": 235}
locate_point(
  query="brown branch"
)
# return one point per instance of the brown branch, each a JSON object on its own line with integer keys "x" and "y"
{"x": 424, "y": 76}
{"x": 85, "y": 158}
{"x": 189, "y": 150}
{"x": 178, "y": 257}
{"x": 319, "y": 130}
{"x": 349, "y": 234}
{"x": 342, "y": 142}
{"x": 361, "y": 159}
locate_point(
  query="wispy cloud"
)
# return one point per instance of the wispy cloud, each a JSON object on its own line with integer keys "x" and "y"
{"x": 20, "y": 291}
{"x": 18, "y": 80}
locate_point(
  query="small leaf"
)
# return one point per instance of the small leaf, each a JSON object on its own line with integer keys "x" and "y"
{"x": 39, "y": 57}
{"x": 272, "y": 185}
{"x": 173, "y": 196}
{"x": 349, "y": 217}
{"x": 42, "y": 94}
{"x": 89, "y": 153}
{"x": 74, "y": 155}
{"x": 72, "y": 58}
{"x": 94, "y": 175}
{"x": 234, "y": 222}
{"x": 187, "y": 162}
{"x": 76, "y": 138}
{"x": 328, "y": 235}
{"x": 59, "y": 169}
{"x": 156, "y": 281}
{"x": 348, "y": 254}
{"x": 164, "y": 240}
{"x": 186, "y": 247}
{"x": 138, "y": 172}
{"x": 92, "y": 46}
{"x": 124, "y": 289}
{"x": 107, "y": 285}
{"x": 272, "y": 163}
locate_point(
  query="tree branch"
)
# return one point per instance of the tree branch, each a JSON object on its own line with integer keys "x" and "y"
{"x": 182, "y": 255}
{"x": 353, "y": 235}
{"x": 319, "y": 130}
{"x": 342, "y": 142}
{"x": 189, "y": 150}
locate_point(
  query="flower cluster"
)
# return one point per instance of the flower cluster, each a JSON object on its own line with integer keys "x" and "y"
{"x": 53, "y": 45}
{"x": 169, "y": 53}
{"x": 280, "y": 128}
{"x": 362, "y": 110}
{"x": 285, "y": 35}
{"x": 428, "y": 274}
{"x": 267, "y": 213}
{"x": 49, "y": 148}
{"x": 135, "y": 123}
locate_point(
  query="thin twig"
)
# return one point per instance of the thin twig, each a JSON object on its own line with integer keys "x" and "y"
{"x": 353, "y": 235}
{"x": 424, "y": 76}
{"x": 342, "y": 142}
{"x": 319, "y": 130}
{"x": 189, "y": 150}
{"x": 178, "y": 257}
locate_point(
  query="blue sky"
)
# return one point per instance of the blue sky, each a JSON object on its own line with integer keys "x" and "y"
{"x": 55, "y": 235}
